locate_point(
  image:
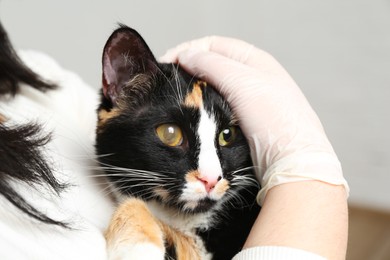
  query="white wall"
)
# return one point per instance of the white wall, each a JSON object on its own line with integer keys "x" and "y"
{"x": 338, "y": 52}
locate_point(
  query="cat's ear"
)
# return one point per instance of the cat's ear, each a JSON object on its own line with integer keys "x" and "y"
{"x": 125, "y": 56}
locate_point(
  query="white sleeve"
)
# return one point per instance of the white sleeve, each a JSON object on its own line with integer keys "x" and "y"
{"x": 74, "y": 99}
{"x": 276, "y": 253}
{"x": 69, "y": 115}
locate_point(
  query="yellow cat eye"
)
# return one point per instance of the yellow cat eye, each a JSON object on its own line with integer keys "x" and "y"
{"x": 170, "y": 134}
{"x": 227, "y": 136}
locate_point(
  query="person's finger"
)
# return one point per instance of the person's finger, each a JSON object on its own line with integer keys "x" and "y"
{"x": 245, "y": 87}
{"x": 226, "y": 74}
{"x": 235, "y": 49}
{"x": 202, "y": 44}
{"x": 242, "y": 86}
{"x": 211, "y": 67}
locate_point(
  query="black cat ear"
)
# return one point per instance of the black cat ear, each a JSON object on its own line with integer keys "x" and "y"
{"x": 125, "y": 55}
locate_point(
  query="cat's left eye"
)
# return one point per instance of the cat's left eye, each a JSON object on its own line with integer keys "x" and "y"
{"x": 227, "y": 136}
{"x": 170, "y": 134}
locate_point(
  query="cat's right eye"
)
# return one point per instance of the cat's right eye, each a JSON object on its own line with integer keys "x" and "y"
{"x": 170, "y": 134}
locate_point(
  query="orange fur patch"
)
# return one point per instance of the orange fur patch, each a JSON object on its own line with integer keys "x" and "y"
{"x": 133, "y": 223}
{"x": 105, "y": 115}
{"x": 192, "y": 176}
{"x": 2, "y": 119}
{"x": 185, "y": 246}
{"x": 195, "y": 98}
{"x": 162, "y": 193}
{"x": 221, "y": 187}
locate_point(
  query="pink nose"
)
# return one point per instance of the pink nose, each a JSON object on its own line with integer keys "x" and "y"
{"x": 209, "y": 181}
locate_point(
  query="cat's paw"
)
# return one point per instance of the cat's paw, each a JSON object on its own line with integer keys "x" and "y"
{"x": 134, "y": 233}
{"x": 139, "y": 251}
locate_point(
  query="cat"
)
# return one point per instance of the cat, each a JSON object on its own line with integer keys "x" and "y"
{"x": 175, "y": 156}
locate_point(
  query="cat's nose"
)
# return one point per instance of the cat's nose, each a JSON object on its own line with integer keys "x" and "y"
{"x": 209, "y": 181}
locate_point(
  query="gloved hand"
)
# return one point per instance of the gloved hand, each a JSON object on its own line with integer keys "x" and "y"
{"x": 286, "y": 138}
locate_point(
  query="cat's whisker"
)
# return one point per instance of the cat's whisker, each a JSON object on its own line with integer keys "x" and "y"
{"x": 178, "y": 85}
{"x": 131, "y": 178}
{"x": 191, "y": 81}
{"x": 175, "y": 87}
{"x": 158, "y": 182}
{"x": 148, "y": 192}
{"x": 96, "y": 156}
{"x": 119, "y": 170}
{"x": 142, "y": 183}
{"x": 245, "y": 169}
{"x": 145, "y": 185}
{"x": 171, "y": 187}
{"x": 245, "y": 180}
{"x": 236, "y": 199}
{"x": 165, "y": 76}
{"x": 106, "y": 189}
{"x": 130, "y": 173}
{"x": 108, "y": 192}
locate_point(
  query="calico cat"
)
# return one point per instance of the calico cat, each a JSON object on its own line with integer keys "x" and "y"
{"x": 174, "y": 153}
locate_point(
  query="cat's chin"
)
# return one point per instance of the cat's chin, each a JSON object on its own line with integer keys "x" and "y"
{"x": 205, "y": 205}
{"x": 182, "y": 220}
{"x": 199, "y": 206}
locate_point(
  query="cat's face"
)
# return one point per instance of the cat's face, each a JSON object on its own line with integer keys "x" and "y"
{"x": 163, "y": 135}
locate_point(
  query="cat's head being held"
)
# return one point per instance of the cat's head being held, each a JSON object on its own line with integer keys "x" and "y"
{"x": 164, "y": 135}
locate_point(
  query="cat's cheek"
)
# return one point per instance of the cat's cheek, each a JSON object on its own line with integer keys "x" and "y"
{"x": 220, "y": 190}
{"x": 162, "y": 193}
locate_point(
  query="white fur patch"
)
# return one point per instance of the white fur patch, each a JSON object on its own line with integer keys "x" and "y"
{"x": 192, "y": 193}
{"x": 139, "y": 251}
{"x": 209, "y": 163}
{"x": 183, "y": 222}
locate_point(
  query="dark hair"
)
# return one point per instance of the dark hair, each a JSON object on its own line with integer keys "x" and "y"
{"x": 20, "y": 145}
{"x": 13, "y": 71}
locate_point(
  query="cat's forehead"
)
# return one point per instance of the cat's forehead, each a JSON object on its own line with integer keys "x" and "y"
{"x": 190, "y": 92}
{"x": 194, "y": 96}
{"x": 166, "y": 96}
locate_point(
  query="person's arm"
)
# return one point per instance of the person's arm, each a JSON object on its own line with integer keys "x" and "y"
{"x": 308, "y": 215}
{"x": 304, "y": 194}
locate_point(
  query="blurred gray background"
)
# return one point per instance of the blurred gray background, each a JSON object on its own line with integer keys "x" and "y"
{"x": 337, "y": 51}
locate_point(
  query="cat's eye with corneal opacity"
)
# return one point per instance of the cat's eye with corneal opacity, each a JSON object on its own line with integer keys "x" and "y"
{"x": 227, "y": 136}
{"x": 170, "y": 134}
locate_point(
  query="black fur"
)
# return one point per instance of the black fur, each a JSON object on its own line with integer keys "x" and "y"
{"x": 22, "y": 160}
{"x": 127, "y": 140}
{"x": 20, "y": 145}
{"x": 227, "y": 238}
{"x": 13, "y": 71}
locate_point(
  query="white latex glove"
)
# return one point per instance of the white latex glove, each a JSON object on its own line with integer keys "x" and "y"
{"x": 286, "y": 138}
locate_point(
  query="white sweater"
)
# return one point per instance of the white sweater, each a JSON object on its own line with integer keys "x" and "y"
{"x": 276, "y": 253}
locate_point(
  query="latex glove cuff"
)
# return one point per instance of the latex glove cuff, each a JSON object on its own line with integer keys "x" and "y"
{"x": 319, "y": 166}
